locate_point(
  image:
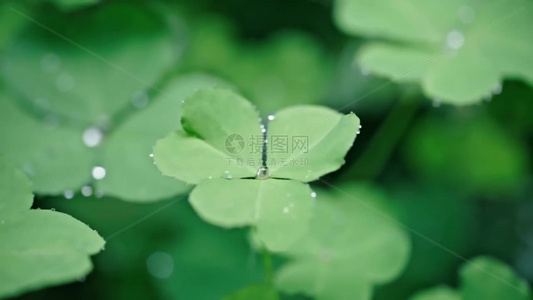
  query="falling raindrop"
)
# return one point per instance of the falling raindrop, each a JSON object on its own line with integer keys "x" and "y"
{"x": 69, "y": 194}
{"x": 139, "y": 99}
{"x": 65, "y": 82}
{"x": 455, "y": 39}
{"x": 271, "y": 117}
{"x": 160, "y": 265}
{"x": 98, "y": 172}
{"x": 262, "y": 173}
{"x": 87, "y": 191}
{"x": 92, "y": 137}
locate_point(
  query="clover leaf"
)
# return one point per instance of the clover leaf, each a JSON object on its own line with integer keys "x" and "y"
{"x": 459, "y": 51}
{"x": 482, "y": 278}
{"x": 348, "y": 249}
{"x": 105, "y": 118}
{"x": 40, "y": 247}
{"x": 222, "y": 149}
{"x": 91, "y": 105}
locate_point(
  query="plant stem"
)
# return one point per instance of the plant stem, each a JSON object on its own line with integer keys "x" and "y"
{"x": 268, "y": 269}
{"x": 377, "y": 153}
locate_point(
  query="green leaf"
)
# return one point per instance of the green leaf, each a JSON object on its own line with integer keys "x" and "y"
{"x": 95, "y": 82}
{"x": 217, "y": 125}
{"x": 130, "y": 171}
{"x": 436, "y": 144}
{"x": 256, "y": 292}
{"x": 437, "y": 293}
{"x": 315, "y": 138}
{"x": 15, "y": 190}
{"x": 211, "y": 151}
{"x": 482, "y": 278}
{"x": 279, "y": 209}
{"x": 487, "y": 278}
{"x": 349, "y": 247}
{"x": 41, "y": 247}
{"x": 32, "y": 144}
{"x": 126, "y": 121}
{"x": 438, "y": 44}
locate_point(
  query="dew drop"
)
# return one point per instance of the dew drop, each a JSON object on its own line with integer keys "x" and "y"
{"x": 65, "y": 82}
{"x": 455, "y": 39}
{"x": 436, "y": 102}
{"x": 92, "y": 137}
{"x": 365, "y": 71}
{"x": 358, "y": 131}
{"x": 271, "y": 117}
{"x": 210, "y": 177}
{"x": 160, "y": 265}
{"x": 360, "y": 126}
{"x": 69, "y": 194}
{"x": 151, "y": 155}
{"x": 139, "y": 99}
{"x": 98, "y": 172}
{"x": 50, "y": 63}
{"x": 497, "y": 89}
{"x": 285, "y": 210}
{"x": 313, "y": 194}
{"x": 466, "y": 14}
{"x": 52, "y": 209}
{"x": 262, "y": 173}
{"x": 87, "y": 191}
{"x": 2, "y": 222}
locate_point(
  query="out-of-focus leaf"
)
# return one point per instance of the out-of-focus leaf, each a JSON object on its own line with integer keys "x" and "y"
{"x": 53, "y": 156}
{"x": 94, "y": 82}
{"x": 94, "y": 99}
{"x": 472, "y": 152}
{"x": 40, "y": 247}
{"x": 349, "y": 247}
{"x": 438, "y": 44}
{"x": 445, "y": 217}
{"x": 124, "y": 152}
{"x": 438, "y": 293}
{"x": 279, "y": 209}
{"x": 483, "y": 278}
{"x": 256, "y": 292}
{"x": 287, "y": 69}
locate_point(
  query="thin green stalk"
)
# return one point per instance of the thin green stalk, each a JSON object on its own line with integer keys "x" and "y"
{"x": 268, "y": 268}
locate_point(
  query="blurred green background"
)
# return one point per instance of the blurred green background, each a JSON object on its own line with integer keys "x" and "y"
{"x": 94, "y": 83}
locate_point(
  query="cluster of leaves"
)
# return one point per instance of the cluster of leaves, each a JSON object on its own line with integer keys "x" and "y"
{"x": 91, "y": 103}
{"x": 458, "y": 51}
